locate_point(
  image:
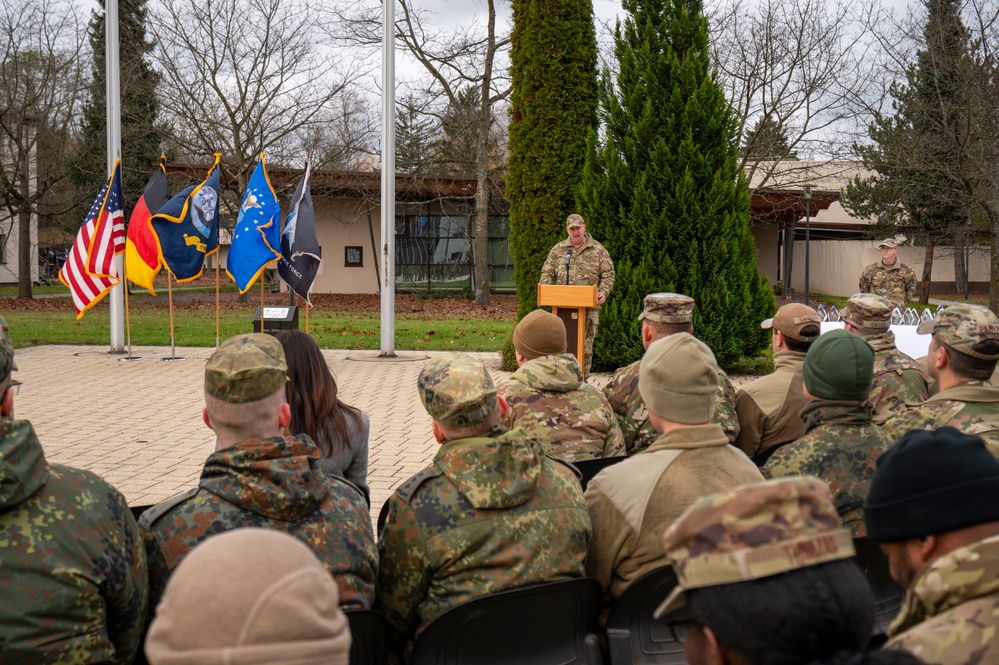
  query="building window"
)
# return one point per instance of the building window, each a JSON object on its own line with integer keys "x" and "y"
{"x": 353, "y": 257}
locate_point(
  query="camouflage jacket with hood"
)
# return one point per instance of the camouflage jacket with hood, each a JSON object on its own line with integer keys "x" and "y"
{"x": 548, "y": 398}
{"x": 898, "y": 379}
{"x": 971, "y": 407}
{"x": 951, "y": 609}
{"x": 72, "y": 570}
{"x": 491, "y": 513}
{"x": 276, "y": 484}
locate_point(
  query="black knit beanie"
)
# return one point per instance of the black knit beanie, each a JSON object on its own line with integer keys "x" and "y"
{"x": 932, "y": 482}
{"x": 839, "y": 366}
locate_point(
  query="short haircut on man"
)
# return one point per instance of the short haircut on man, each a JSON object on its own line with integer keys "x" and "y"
{"x": 969, "y": 366}
{"x": 666, "y": 329}
{"x": 800, "y": 346}
{"x": 244, "y": 420}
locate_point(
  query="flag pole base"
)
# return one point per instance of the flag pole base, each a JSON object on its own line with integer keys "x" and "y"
{"x": 172, "y": 359}
{"x": 129, "y": 359}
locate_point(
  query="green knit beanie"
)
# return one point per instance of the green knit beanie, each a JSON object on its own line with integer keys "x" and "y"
{"x": 839, "y": 366}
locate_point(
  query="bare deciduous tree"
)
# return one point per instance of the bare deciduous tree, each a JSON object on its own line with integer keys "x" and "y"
{"x": 42, "y": 81}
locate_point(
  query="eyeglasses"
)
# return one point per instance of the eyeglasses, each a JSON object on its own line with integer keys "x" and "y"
{"x": 681, "y": 628}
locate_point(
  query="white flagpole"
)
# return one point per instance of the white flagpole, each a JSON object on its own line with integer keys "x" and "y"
{"x": 388, "y": 181}
{"x": 113, "y": 97}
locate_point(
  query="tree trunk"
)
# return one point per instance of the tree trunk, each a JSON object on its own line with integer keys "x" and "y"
{"x": 960, "y": 271}
{"x": 993, "y": 214}
{"x": 24, "y": 230}
{"x": 481, "y": 254}
{"x": 924, "y": 295}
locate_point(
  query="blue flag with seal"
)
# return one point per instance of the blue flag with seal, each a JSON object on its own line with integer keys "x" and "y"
{"x": 187, "y": 227}
{"x": 301, "y": 257}
{"x": 256, "y": 233}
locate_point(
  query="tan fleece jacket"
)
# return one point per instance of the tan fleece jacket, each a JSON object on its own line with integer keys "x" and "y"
{"x": 633, "y": 502}
{"x": 769, "y": 408}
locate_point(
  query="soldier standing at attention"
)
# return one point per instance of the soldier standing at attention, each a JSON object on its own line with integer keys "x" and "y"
{"x": 841, "y": 444}
{"x": 72, "y": 570}
{"x": 491, "y": 513}
{"x": 889, "y": 277}
{"x": 898, "y": 379}
{"x": 548, "y": 397}
{"x": 664, "y": 314}
{"x": 934, "y": 510}
{"x": 257, "y": 477}
{"x": 579, "y": 260}
{"x": 962, "y": 358}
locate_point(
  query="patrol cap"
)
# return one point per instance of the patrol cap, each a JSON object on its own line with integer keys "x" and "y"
{"x": 246, "y": 368}
{"x": 7, "y": 364}
{"x": 867, "y": 310}
{"x": 891, "y": 243}
{"x": 792, "y": 318}
{"x": 751, "y": 533}
{"x": 574, "y": 220}
{"x": 456, "y": 390}
{"x": 668, "y": 308}
{"x": 678, "y": 379}
{"x": 963, "y": 326}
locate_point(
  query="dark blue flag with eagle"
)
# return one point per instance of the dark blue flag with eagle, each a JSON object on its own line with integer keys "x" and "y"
{"x": 187, "y": 227}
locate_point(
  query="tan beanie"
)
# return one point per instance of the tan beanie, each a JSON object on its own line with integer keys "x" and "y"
{"x": 678, "y": 379}
{"x": 248, "y": 597}
{"x": 539, "y": 334}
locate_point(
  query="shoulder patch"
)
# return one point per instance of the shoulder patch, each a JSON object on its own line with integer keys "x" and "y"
{"x": 160, "y": 509}
{"x": 408, "y": 488}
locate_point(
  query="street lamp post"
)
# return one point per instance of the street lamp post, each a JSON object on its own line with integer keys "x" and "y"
{"x": 808, "y": 234}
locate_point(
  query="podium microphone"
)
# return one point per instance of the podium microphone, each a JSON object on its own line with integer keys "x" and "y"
{"x": 568, "y": 257}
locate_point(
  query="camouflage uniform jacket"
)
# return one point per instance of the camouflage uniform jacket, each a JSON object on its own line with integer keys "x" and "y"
{"x": 491, "y": 513}
{"x": 971, "y": 407}
{"x": 951, "y": 610}
{"x": 633, "y": 502}
{"x": 72, "y": 570}
{"x": 633, "y": 417}
{"x": 276, "y": 484}
{"x": 898, "y": 379}
{"x": 896, "y": 282}
{"x": 590, "y": 264}
{"x": 841, "y": 446}
{"x": 769, "y": 408}
{"x": 548, "y": 398}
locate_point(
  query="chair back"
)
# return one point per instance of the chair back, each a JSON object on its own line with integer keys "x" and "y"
{"x": 633, "y": 636}
{"x": 591, "y": 467}
{"x": 540, "y": 624}
{"x": 888, "y": 595}
{"x": 369, "y": 637}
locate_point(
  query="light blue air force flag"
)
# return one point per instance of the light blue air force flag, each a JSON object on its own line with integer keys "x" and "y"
{"x": 256, "y": 235}
{"x": 301, "y": 257}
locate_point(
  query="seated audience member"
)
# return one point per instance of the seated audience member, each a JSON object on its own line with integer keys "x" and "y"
{"x": 769, "y": 408}
{"x": 934, "y": 509}
{"x": 259, "y": 478}
{"x": 663, "y": 314}
{"x": 340, "y": 430}
{"x": 841, "y": 443}
{"x": 72, "y": 569}
{"x": 491, "y": 513}
{"x": 898, "y": 379}
{"x": 633, "y": 501}
{"x": 961, "y": 359}
{"x": 765, "y": 578}
{"x": 249, "y": 596}
{"x": 547, "y": 395}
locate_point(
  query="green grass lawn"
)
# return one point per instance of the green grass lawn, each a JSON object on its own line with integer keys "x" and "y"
{"x": 151, "y": 327}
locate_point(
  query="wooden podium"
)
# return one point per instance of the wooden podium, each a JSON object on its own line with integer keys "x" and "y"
{"x": 570, "y": 303}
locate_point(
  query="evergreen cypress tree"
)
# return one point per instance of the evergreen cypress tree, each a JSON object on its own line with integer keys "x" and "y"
{"x": 553, "y": 60}
{"x": 663, "y": 192}
{"x": 140, "y": 135}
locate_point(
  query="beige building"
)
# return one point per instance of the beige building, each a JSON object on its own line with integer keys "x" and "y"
{"x": 9, "y": 228}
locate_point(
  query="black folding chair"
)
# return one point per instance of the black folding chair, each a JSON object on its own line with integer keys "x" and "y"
{"x": 533, "y": 625}
{"x": 369, "y": 637}
{"x": 591, "y": 467}
{"x": 888, "y": 595}
{"x": 633, "y": 636}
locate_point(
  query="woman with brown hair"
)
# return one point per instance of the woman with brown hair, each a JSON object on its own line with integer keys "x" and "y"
{"x": 340, "y": 430}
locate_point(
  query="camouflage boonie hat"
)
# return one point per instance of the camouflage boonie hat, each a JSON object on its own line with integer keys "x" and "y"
{"x": 888, "y": 242}
{"x": 7, "y": 364}
{"x": 963, "y": 326}
{"x": 668, "y": 308}
{"x": 792, "y": 318}
{"x": 867, "y": 310}
{"x": 456, "y": 390}
{"x": 246, "y": 368}
{"x": 753, "y": 532}
{"x": 574, "y": 220}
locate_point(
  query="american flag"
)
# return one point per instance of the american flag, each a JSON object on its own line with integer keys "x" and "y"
{"x": 90, "y": 269}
